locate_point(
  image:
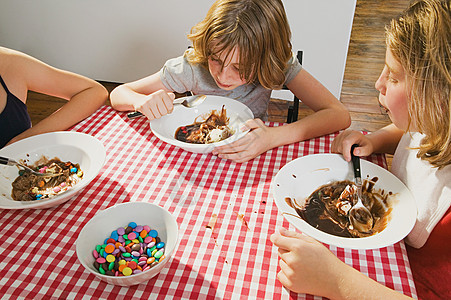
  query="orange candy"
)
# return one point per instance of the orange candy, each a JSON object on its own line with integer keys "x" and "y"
{"x": 109, "y": 248}
{"x": 143, "y": 233}
{"x": 121, "y": 268}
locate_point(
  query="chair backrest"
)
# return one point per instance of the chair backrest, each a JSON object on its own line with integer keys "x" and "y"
{"x": 293, "y": 110}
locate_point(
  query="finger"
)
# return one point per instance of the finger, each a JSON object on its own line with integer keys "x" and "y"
{"x": 239, "y": 157}
{"x": 169, "y": 102}
{"x": 147, "y": 112}
{"x": 153, "y": 107}
{"x": 252, "y": 124}
{"x": 236, "y": 146}
{"x": 285, "y": 274}
{"x": 288, "y": 240}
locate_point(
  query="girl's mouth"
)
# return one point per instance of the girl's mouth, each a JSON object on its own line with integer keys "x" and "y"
{"x": 224, "y": 86}
{"x": 384, "y": 108}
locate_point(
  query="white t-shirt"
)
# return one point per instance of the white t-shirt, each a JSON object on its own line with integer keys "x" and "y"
{"x": 431, "y": 187}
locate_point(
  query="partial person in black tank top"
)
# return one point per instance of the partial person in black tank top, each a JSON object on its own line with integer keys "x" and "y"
{"x": 14, "y": 118}
{"x": 23, "y": 74}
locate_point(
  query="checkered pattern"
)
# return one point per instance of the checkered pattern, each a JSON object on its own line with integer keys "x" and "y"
{"x": 234, "y": 260}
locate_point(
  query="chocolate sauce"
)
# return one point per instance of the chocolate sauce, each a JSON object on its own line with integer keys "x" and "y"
{"x": 322, "y": 208}
{"x": 198, "y": 132}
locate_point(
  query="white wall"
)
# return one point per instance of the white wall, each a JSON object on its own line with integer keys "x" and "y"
{"x": 123, "y": 40}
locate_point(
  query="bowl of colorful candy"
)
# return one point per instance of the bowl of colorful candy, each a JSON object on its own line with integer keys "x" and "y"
{"x": 127, "y": 244}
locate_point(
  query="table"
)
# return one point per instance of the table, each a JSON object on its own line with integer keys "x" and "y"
{"x": 234, "y": 260}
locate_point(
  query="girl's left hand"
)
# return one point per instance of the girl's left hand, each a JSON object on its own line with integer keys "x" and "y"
{"x": 307, "y": 266}
{"x": 254, "y": 143}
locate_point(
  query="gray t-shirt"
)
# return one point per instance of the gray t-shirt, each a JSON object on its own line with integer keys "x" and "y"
{"x": 180, "y": 76}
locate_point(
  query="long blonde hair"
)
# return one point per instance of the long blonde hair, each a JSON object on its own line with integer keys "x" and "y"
{"x": 258, "y": 28}
{"x": 420, "y": 40}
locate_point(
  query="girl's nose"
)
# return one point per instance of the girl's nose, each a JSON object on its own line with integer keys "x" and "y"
{"x": 380, "y": 83}
{"x": 223, "y": 75}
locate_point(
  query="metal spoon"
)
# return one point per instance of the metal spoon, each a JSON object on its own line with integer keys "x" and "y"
{"x": 189, "y": 101}
{"x": 12, "y": 162}
{"x": 359, "y": 216}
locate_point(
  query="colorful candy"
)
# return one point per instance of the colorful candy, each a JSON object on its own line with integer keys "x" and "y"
{"x": 129, "y": 250}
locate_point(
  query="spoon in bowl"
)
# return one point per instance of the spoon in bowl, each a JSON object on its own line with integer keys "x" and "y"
{"x": 359, "y": 216}
{"x": 12, "y": 162}
{"x": 189, "y": 101}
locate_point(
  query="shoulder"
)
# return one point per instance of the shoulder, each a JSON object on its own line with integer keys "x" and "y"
{"x": 293, "y": 68}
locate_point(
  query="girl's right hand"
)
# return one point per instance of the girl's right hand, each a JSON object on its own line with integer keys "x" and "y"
{"x": 156, "y": 105}
{"x": 344, "y": 141}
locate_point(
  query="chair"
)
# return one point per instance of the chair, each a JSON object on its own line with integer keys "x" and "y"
{"x": 293, "y": 110}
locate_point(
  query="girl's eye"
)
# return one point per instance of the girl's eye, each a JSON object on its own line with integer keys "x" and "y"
{"x": 391, "y": 79}
{"x": 215, "y": 60}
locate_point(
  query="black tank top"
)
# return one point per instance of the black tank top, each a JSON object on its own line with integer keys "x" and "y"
{"x": 14, "y": 119}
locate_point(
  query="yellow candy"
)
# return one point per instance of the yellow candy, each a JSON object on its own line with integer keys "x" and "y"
{"x": 110, "y": 258}
{"x": 122, "y": 262}
{"x": 127, "y": 271}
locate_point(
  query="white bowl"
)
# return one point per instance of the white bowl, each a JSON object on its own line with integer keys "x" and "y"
{"x": 301, "y": 177}
{"x": 103, "y": 223}
{"x": 164, "y": 128}
{"x": 76, "y": 147}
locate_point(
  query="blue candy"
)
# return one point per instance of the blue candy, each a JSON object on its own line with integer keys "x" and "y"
{"x": 132, "y": 225}
{"x": 115, "y": 235}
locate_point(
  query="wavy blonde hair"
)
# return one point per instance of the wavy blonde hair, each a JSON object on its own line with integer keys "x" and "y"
{"x": 260, "y": 31}
{"x": 420, "y": 40}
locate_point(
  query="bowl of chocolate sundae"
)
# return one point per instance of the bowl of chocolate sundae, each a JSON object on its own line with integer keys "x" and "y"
{"x": 214, "y": 122}
{"x": 49, "y": 169}
{"x": 315, "y": 193}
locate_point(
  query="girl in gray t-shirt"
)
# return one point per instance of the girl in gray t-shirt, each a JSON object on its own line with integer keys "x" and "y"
{"x": 241, "y": 50}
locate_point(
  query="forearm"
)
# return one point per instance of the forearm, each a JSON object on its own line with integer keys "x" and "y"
{"x": 317, "y": 124}
{"x": 80, "y": 106}
{"x": 354, "y": 285}
{"x": 386, "y": 139}
{"x": 123, "y": 97}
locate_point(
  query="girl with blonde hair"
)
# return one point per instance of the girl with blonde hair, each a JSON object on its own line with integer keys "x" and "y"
{"x": 415, "y": 90}
{"x": 241, "y": 50}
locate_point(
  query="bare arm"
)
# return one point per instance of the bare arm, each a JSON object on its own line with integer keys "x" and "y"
{"x": 307, "y": 266}
{"x": 84, "y": 95}
{"x": 384, "y": 140}
{"x": 330, "y": 116}
{"x": 147, "y": 95}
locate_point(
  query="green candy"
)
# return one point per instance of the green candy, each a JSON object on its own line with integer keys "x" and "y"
{"x": 158, "y": 254}
{"x": 126, "y": 254}
{"x": 102, "y": 271}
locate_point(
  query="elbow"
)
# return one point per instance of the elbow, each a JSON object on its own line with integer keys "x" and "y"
{"x": 345, "y": 118}
{"x": 103, "y": 95}
{"x": 114, "y": 96}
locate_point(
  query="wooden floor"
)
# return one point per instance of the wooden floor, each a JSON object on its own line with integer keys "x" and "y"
{"x": 364, "y": 63}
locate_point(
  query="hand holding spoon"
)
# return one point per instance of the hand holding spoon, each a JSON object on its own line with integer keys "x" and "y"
{"x": 189, "y": 101}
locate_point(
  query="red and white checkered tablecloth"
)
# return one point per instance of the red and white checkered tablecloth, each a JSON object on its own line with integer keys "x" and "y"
{"x": 235, "y": 260}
